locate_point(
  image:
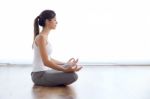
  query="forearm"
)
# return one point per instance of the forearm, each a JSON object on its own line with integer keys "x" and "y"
{"x": 57, "y": 62}
{"x": 54, "y": 65}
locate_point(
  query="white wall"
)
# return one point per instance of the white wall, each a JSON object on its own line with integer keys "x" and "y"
{"x": 104, "y": 31}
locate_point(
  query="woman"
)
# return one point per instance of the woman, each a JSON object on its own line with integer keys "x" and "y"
{"x": 48, "y": 71}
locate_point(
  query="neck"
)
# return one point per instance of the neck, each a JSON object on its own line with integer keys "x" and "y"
{"x": 45, "y": 31}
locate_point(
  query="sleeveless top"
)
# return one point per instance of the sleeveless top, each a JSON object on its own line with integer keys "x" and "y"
{"x": 37, "y": 60}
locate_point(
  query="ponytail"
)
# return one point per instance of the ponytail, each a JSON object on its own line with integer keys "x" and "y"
{"x": 36, "y": 27}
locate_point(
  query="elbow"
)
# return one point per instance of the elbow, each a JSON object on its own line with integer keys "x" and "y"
{"x": 46, "y": 62}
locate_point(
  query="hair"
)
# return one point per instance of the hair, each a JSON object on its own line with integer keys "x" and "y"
{"x": 40, "y": 20}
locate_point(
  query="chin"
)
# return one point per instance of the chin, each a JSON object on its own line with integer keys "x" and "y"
{"x": 54, "y": 28}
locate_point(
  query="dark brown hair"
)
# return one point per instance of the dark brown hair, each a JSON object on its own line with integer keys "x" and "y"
{"x": 40, "y": 20}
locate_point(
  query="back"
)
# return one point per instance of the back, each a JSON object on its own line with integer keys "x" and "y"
{"x": 37, "y": 60}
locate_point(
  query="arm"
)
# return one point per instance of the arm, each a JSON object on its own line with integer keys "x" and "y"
{"x": 42, "y": 48}
{"x": 57, "y": 61}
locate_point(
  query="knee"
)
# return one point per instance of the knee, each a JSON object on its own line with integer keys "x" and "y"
{"x": 75, "y": 76}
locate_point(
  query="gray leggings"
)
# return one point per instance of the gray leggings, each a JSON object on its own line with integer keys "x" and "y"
{"x": 53, "y": 78}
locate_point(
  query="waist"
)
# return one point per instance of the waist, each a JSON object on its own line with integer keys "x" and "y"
{"x": 37, "y": 68}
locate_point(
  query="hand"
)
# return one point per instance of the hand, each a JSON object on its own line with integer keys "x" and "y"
{"x": 79, "y": 68}
{"x": 72, "y": 62}
{"x": 72, "y": 68}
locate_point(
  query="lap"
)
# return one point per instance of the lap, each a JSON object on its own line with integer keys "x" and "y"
{"x": 54, "y": 77}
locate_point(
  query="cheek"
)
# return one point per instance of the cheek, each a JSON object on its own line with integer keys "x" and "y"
{"x": 53, "y": 25}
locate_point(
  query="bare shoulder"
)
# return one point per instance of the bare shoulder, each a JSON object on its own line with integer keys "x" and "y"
{"x": 40, "y": 39}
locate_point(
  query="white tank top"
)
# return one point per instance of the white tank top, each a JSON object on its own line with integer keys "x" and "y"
{"x": 37, "y": 60}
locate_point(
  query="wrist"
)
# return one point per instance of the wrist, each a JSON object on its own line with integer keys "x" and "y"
{"x": 64, "y": 69}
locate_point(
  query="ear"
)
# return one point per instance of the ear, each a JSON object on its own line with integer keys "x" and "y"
{"x": 47, "y": 21}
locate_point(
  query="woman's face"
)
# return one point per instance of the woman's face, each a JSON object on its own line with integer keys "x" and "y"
{"x": 52, "y": 23}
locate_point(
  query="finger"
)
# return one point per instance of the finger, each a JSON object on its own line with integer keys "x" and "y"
{"x": 74, "y": 67}
{"x": 71, "y": 60}
{"x": 76, "y": 60}
{"x": 74, "y": 63}
{"x": 79, "y": 68}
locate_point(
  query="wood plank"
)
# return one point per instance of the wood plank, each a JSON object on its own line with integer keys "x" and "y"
{"x": 95, "y": 82}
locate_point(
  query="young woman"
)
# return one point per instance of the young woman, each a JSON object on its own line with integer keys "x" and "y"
{"x": 48, "y": 71}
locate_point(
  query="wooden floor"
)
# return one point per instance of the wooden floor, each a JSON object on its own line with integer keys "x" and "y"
{"x": 95, "y": 82}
